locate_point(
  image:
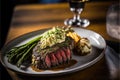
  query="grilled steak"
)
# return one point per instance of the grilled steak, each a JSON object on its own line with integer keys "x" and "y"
{"x": 52, "y": 56}
{"x": 53, "y": 49}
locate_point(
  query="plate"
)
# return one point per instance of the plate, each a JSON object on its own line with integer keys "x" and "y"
{"x": 96, "y": 40}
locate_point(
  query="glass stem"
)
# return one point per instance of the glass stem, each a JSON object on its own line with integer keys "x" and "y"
{"x": 76, "y": 17}
{"x": 77, "y": 13}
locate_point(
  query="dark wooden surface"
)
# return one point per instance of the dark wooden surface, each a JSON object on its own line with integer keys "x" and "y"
{"x": 28, "y": 18}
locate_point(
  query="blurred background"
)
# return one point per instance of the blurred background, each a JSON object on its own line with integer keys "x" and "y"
{"x": 6, "y": 12}
{"x": 7, "y": 6}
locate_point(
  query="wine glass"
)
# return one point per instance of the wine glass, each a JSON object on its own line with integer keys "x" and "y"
{"x": 77, "y": 6}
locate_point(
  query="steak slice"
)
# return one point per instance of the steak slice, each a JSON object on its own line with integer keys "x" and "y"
{"x": 53, "y": 59}
{"x": 64, "y": 56}
{"x": 59, "y": 57}
{"x": 68, "y": 53}
{"x": 48, "y": 61}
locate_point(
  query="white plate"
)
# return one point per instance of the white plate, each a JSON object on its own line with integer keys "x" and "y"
{"x": 98, "y": 47}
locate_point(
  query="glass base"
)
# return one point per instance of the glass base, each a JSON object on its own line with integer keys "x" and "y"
{"x": 77, "y": 23}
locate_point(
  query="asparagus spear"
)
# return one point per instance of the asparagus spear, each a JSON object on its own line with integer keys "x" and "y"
{"x": 25, "y": 55}
{"x": 16, "y": 54}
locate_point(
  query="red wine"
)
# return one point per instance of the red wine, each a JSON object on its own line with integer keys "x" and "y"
{"x": 77, "y": 3}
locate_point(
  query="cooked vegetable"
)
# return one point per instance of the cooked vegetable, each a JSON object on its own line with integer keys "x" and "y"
{"x": 83, "y": 46}
{"x": 18, "y": 55}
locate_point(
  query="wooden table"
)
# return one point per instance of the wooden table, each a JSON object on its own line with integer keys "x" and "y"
{"x": 28, "y": 18}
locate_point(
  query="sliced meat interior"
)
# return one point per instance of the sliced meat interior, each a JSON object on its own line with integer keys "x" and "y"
{"x": 61, "y": 56}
